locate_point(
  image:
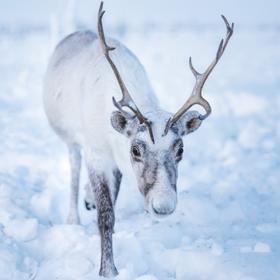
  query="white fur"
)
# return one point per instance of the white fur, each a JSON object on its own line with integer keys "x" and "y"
{"x": 78, "y": 97}
{"x": 78, "y": 89}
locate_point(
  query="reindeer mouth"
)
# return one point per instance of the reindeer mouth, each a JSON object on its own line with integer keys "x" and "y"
{"x": 162, "y": 212}
{"x": 161, "y": 208}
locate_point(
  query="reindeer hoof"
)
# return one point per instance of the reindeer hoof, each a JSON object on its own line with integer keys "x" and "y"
{"x": 89, "y": 206}
{"x": 108, "y": 271}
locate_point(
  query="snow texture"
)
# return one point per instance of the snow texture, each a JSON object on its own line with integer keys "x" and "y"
{"x": 227, "y": 222}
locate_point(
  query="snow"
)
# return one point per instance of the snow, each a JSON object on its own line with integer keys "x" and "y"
{"x": 21, "y": 230}
{"x": 261, "y": 247}
{"x": 227, "y": 222}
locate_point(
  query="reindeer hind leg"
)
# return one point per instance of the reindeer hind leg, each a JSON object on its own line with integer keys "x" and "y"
{"x": 75, "y": 166}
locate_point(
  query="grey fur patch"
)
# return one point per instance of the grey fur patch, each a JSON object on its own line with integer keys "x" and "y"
{"x": 171, "y": 170}
{"x": 142, "y": 147}
{"x": 176, "y": 146}
{"x": 139, "y": 142}
{"x": 190, "y": 122}
{"x": 118, "y": 178}
{"x": 141, "y": 128}
{"x": 123, "y": 122}
{"x": 118, "y": 121}
{"x": 106, "y": 221}
{"x": 149, "y": 174}
{"x": 177, "y": 142}
{"x": 175, "y": 129}
{"x": 152, "y": 162}
{"x": 104, "y": 203}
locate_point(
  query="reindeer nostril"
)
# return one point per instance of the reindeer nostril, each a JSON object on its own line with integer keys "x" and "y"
{"x": 159, "y": 212}
{"x": 162, "y": 210}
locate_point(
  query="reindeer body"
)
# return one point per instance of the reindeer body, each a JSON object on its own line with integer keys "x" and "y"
{"x": 78, "y": 93}
{"x": 83, "y": 75}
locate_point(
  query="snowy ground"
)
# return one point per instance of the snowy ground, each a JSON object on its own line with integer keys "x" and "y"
{"x": 227, "y": 223}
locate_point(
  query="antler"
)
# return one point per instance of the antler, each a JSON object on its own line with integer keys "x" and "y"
{"x": 126, "y": 100}
{"x": 196, "y": 96}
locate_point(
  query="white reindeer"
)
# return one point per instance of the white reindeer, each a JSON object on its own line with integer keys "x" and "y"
{"x": 81, "y": 79}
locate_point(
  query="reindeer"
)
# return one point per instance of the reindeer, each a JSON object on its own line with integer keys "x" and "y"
{"x": 83, "y": 74}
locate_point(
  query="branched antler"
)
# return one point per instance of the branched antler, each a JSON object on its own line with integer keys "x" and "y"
{"x": 196, "y": 96}
{"x": 126, "y": 100}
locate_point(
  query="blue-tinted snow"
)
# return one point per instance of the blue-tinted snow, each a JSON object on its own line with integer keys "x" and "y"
{"x": 227, "y": 223}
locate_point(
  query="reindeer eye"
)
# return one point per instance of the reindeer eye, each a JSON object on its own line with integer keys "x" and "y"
{"x": 180, "y": 152}
{"x": 135, "y": 151}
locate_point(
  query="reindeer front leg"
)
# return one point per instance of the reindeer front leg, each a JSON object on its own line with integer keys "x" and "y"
{"x": 106, "y": 220}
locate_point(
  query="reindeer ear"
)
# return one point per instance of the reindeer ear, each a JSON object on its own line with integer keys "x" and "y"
{"x": 122, "y": 123}
{"x": 191, "y": 122}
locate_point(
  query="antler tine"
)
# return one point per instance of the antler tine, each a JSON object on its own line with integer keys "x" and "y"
{"x": 126, "y": 100}
{"x": 196, "y": 95}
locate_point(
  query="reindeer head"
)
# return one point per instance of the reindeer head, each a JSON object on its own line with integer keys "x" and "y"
{"x": 155, "y": 163}
{"x": 156, "y": 145}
